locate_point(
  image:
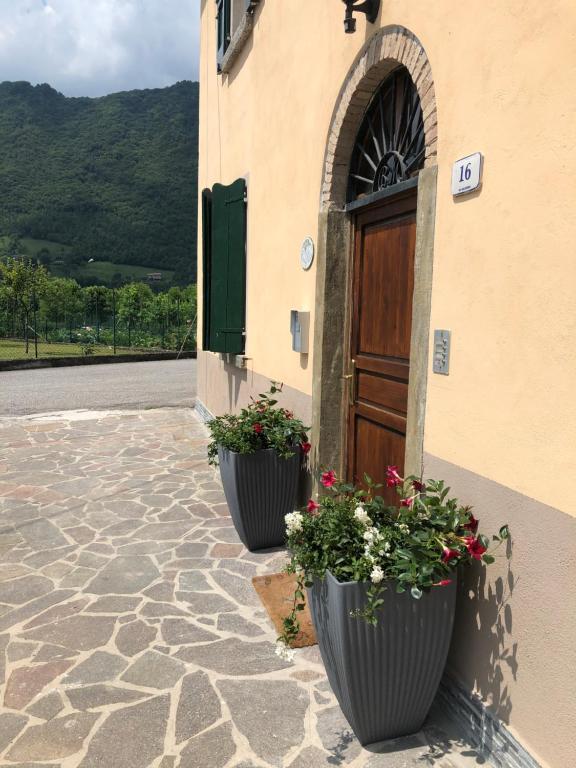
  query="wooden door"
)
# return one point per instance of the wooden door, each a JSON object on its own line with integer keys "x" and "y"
{"x": 381, "y": 324}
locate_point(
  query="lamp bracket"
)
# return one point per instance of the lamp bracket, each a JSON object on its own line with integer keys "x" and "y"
{"x": 369, "y": 7}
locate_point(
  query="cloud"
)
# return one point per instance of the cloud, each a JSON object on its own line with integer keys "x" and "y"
{"x": 94, "y": 47}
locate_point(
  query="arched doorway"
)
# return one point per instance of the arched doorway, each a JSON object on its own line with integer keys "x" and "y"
{"x": 375, "y": 262}
{"x": 387, "y": 157}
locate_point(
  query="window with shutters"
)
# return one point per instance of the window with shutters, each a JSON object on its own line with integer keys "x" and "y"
{"x": 234, "y": 25}
{"x": 223, "y": 25}
{"x": 224, "y": 267}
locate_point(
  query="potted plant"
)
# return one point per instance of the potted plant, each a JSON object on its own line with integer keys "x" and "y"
{"x": 382, "y": 587}
{"x": 259, "y": 452}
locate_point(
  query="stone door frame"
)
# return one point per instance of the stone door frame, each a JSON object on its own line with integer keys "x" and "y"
{"x": 388, "y": 48}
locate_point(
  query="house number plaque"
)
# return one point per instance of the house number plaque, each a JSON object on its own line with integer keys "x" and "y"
{"x": 467, "y": 174}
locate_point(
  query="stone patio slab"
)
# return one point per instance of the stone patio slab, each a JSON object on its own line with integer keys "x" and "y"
{"x": 130, "y": 634}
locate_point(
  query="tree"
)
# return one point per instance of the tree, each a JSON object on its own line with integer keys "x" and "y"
{"x": 134, "y": 305}
{"x": 98, "y": 305}
{"x": 73, "y": 302}
{"x": 44, "y": 257}
{"x": 25, "y": 282}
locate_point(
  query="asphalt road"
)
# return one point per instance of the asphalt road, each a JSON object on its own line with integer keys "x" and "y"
{"x": 98, "y": 387}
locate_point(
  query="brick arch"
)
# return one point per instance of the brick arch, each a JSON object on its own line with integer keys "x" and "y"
{"x": 389, "y": 47}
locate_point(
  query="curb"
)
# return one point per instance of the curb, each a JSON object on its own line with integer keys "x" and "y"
{"x": 59, "y": 362}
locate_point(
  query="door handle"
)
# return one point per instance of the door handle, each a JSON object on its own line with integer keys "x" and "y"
{"x": 351, "y": 378}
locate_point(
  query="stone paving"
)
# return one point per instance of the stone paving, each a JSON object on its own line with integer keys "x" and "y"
{"x": 130, "y": 635}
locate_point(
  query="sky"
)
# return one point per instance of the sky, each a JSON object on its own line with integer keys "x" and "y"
{"x": 96, "y": 47}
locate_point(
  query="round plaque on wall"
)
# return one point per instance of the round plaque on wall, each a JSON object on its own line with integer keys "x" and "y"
{"x": 307, "y": 253}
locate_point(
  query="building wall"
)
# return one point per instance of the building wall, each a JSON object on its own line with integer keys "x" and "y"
{"x": 502, "y": 426}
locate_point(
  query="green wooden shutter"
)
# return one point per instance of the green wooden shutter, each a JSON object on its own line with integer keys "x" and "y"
{"x": 227, "y": 271}
{"x": 206, "y": 264}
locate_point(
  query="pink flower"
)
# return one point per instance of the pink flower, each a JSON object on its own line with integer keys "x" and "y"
{"x": 392, "y": 477}
{"x": 475, "y": 548}
{"x": 257, "y": 428}
{"x": 449, "y": 554}
{"x": 406, "y": 502}
{"x": 328, "y": 479}
{"x": 442, "y": 583}
{"x": 472, "y": 524}
{"x": 312, "y": 507}
{"x": 305, "y": 447}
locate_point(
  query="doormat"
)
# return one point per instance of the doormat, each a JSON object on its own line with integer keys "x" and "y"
{"x": 276, "y": 591}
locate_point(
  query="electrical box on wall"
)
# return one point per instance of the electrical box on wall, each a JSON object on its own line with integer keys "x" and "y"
{"x": 300, "y": 330}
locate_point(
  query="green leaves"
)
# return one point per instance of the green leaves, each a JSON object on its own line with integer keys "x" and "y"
{"x": 260, "y": 426}
{"x": 411, "y": 548}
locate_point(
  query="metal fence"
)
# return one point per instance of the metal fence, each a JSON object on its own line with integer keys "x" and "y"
{"x": 30, "y": 334}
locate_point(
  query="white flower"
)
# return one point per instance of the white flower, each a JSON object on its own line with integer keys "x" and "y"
{"x": 284, "y": 652}
{"x": 293, "y": 522}
{"x": 371, "y": 535}
{"x": 361, "y": 515}
{"x": 385, "y": 549}
{"x": 377, "y": 574}
{"x": 403, "y": 528}
{"x": 368, "y": 555}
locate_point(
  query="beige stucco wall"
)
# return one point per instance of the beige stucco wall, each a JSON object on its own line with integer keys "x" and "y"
{"x": 503, "y": 266}
{"x": 502, "y": 425}
{"x": 513, "y": 639}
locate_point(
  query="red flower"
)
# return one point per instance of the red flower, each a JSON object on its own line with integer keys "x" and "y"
{"x": 418, "y": 486}
{"x": 443, "y": 583}
{"x": 328, "y": 479}
{"x": 472, "y": 524}
{"x": 305, "y": 447}
{"x": 257, "y": 428}
{"x": 406, "y": 502}
{"x": 392, "y": 477}
{"x": 312, "y": 507}
{"x": 475, "y": 547}
{"x": 449, "y": 554}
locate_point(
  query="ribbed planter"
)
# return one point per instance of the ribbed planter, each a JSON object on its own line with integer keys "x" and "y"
{"x": 384, "y": 677}
{"x": 261, "y": 488}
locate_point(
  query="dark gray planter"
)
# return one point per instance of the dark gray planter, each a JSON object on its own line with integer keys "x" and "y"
{"x": 384, "y": 677}
{"x": 261, "y": 488}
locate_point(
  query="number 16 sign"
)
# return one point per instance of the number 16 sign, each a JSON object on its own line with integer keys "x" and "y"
{"x": 467, "y": 174}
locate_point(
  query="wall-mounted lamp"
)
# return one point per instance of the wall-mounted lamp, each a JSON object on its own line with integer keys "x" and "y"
{"x": 369, "y": 7}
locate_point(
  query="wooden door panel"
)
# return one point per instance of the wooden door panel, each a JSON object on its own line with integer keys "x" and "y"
{"x": 378, "y": 446}
{"x": 378, "y": 390}
{"x": 386, "y": 287}
{"x": 386, "y": 418}
{"x": 394, "y": 369}
{"x": 381, "y": 326}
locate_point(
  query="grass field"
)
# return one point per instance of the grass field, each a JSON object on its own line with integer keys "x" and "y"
{"x": 101, "y": 272}
{"x": 104, "y": 271}
{"x": 16, "y": 350}
{"x": 32, "y": 247}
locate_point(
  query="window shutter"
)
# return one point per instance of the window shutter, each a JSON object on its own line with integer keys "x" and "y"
{"x": 206, "y": 264}
{"x": 227, "y": 270}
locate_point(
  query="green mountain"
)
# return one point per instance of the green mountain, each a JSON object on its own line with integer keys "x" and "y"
{"x": 111, "y": 179}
